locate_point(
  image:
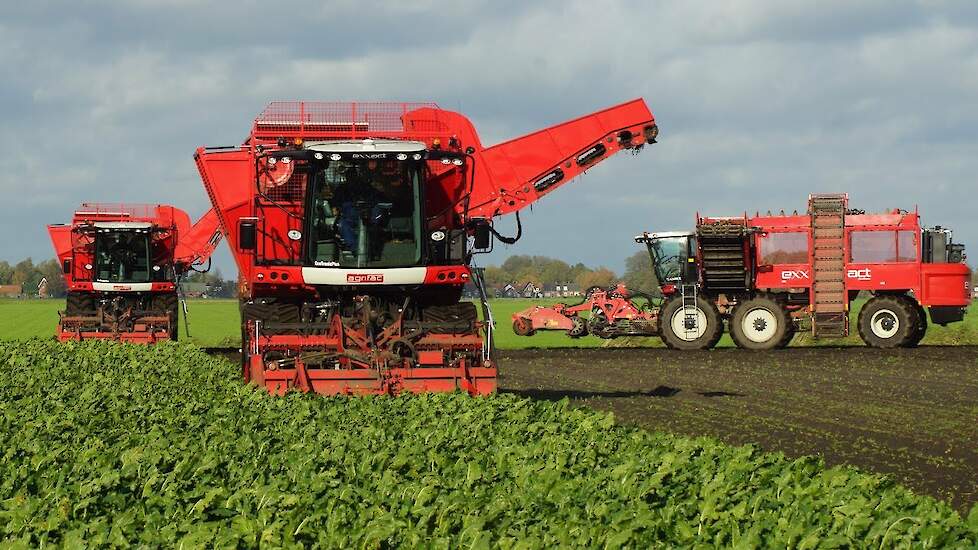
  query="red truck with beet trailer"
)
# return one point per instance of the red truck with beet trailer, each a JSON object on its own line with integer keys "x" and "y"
{"x": 767, "y": 277}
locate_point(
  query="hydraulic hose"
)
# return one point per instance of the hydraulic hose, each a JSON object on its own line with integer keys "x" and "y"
{"x": 509, "y": 240}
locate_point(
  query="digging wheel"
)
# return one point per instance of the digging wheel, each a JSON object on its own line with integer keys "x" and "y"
{"x": 403, "y": 349}
{"x": 578, "y": 327}
{"x": 598, "y": 325}
{"x": 522, "y": 327}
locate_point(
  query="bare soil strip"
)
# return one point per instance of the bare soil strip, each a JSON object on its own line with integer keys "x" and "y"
{"x": 912, "y": 414}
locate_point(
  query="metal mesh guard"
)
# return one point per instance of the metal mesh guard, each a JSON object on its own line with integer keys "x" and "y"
{"x": 343, "y": 119}
{"x": 135, "y": 211}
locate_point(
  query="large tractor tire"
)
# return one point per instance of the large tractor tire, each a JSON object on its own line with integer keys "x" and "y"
{"x": 760, "y": 323}
{"x": 702, "y": 331}
{"x": 888, "y": 322}
{"x": 921, "y": 331}
{"x": 265, "y": 310}
{"x": 457, "y": 318}
{"x": 79, "y": 304}
{"x": 789, "y": 335}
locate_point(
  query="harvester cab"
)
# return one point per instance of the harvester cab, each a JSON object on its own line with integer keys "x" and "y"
{"x": 122, "y": 266}
{"x": 354, "y": 225}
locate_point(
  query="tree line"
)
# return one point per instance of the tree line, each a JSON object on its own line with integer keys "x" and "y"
{"x": 26, "y": 275}
{"x": 546, "y": 272}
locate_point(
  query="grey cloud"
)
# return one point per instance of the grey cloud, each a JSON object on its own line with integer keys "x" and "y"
{"x": 760, "y": 102}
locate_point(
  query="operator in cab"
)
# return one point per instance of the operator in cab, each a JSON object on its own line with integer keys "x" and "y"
{"x": 357, "y": 201}
{"x": 119, "y": 256}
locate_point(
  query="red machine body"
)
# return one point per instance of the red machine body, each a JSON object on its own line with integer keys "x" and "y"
{"x": 354, "y": 224}
{"x": 122, "y": 264}
{"x": 767, "y": 276}
{"x": 881, "y": 253}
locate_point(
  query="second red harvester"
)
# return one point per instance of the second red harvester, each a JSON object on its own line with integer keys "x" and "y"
{"x": 122, "y": 265}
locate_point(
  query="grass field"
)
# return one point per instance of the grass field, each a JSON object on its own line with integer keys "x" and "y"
{"x": 215, "y": 323}
{"x": 212, "y": 322}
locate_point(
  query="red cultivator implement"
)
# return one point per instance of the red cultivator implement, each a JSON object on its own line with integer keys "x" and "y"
{"x": 610, "y": 313}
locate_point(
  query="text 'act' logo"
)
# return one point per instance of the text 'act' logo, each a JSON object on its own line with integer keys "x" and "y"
{"x": 794, "y": 275}
{"x": 365, "y": 277}
{"x": 863, "y": 274}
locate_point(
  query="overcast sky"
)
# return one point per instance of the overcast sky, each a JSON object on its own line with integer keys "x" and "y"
{"x": 759, "y": 103}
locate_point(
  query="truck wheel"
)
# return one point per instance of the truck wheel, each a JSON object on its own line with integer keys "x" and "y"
{"x": 888, "y": 322}
{"x": 701, "y": 330}
{"x": 921, "y": 331}
{"x": 789, "y": 335}
{"x": 759, "y": 324}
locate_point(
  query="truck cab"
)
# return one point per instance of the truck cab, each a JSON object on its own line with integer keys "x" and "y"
{"x": 673, "y": 256}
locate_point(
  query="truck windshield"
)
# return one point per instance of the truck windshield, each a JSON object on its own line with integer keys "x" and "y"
{"x": 669, "y": 254}
{"x": 365, "y": 214}
{"x": 122, "y": 256}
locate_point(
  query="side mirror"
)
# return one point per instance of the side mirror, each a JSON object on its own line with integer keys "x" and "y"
{"x": 66, "y": 266}
{"x": 482, "y": 234}
{"x": 248, "y": 234}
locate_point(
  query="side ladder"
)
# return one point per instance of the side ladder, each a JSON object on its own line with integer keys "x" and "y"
{"x": 691, "y": 319}
{"x": 829, "y": 297}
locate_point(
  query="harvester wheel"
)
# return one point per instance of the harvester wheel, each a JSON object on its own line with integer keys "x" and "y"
{"x": 701, "y": 330}
{"x": 245, "y": 346}
{"x": 888, "y": 322}
{"x": 522, "y": 327}
{"x": 578, "y": 327}
{"x": 459, "y": 318}
{"x": 270, "y": 311}
{"x": 80, "y": 303}
{"x": 760, "y": 323}
{"x": 169, "y": 304}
